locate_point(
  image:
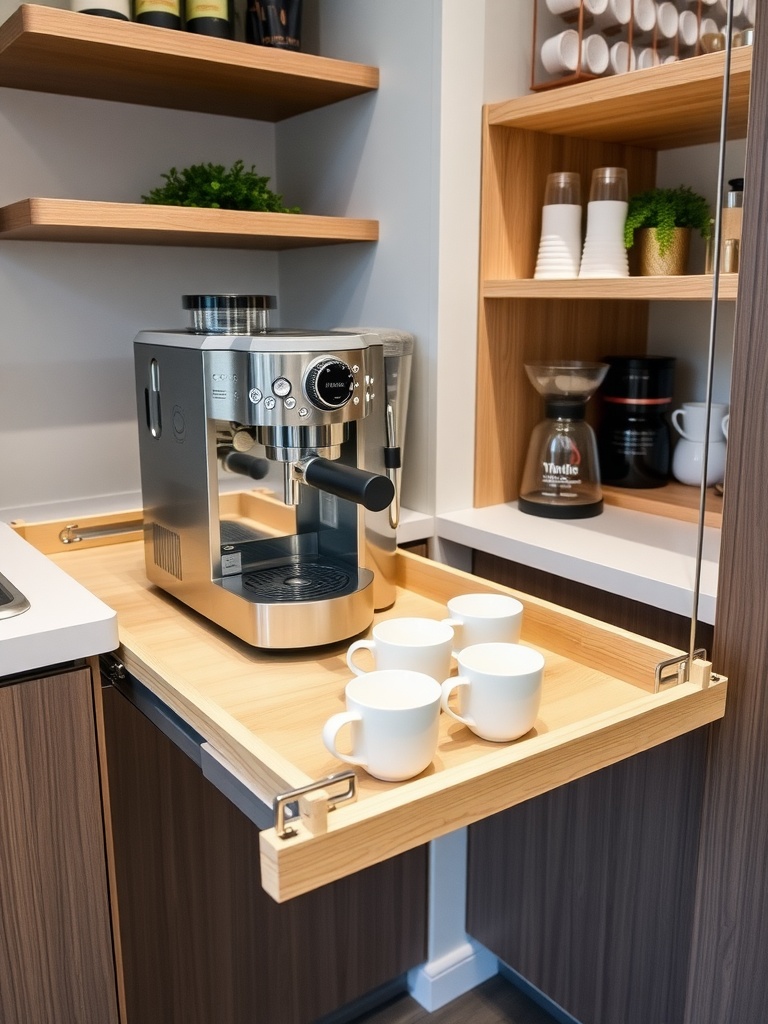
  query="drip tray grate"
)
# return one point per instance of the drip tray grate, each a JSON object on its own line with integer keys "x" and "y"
{"x": 303, "y": 580}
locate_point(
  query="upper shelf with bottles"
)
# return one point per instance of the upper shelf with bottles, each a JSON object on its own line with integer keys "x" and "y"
{"x": 50, "y": 50}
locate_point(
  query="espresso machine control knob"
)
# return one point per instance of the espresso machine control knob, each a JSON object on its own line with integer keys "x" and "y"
{"x": 329, "y": 383}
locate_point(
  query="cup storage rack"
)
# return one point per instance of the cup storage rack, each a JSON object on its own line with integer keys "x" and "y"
{"x": 578, "y": 40}
{"x": 56, "y": 51}
{"x": 619, "y": 121}
{"x": 607, "y": 695}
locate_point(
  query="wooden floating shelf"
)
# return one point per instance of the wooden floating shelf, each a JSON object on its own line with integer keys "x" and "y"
{"x": 674, "y": 501}
{"x": 50, "y": 50}
{"x": 665, "y": 107}
{"x": 74, "y": 220}
{"x": 687, "y": 288}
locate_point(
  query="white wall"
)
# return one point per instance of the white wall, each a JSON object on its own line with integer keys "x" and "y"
{"x": 70, "y": 312}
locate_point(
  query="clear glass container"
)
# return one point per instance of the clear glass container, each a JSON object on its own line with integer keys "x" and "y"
{"x": 561, "y": 479}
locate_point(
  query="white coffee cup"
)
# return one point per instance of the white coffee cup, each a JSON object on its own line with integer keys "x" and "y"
{"x": 617, "y": 13}
{"x": 561, "y": 52}
{"x": 421, "y": 645}
{"x": 644, "y": 12}
{"x": 647, "y": 58}
{"x": 571, "y": 7}
{"x": 595, "y": 54}
{"x": 688, "y": 28}
{"x": 499, "y": 690}
{"x": 691, "y": 419}
{"x": 622, "y": 58}
{"x": 667, "y": 20}
{"x": 484, "y": 618}
{"x": 394, "y": 717}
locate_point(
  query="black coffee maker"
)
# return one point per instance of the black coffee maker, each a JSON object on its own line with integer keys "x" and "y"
{"x": 633, "y": 439}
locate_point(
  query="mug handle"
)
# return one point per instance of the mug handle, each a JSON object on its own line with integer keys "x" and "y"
{"x": 448, "y": 687}
{"x": 453, "y": 623}
{"x": 368, "y": 645}
{"x": 676, "y": 415}
{"x": 331, "y": 729}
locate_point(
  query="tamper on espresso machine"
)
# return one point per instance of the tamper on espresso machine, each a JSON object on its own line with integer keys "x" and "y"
{"x": 231, "y": 395}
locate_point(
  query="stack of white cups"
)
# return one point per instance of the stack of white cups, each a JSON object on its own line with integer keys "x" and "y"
{"x": 605, "y": 254}
{"x": 560, "y": 245}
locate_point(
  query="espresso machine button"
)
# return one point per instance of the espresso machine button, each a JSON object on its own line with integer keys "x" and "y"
{"x": 281, "y": 387}
{"x": 329, "y": 383}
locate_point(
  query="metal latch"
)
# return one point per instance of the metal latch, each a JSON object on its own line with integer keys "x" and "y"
{"x": 676, "y": 670}
{"x": 73, "y": 533}
{"x": 312, "y": 812}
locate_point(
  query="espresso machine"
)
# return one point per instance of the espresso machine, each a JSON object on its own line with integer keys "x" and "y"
{"x": 230, "y": 395}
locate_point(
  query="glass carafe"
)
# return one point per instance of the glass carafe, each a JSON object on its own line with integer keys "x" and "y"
{"x": 561, "y": 479}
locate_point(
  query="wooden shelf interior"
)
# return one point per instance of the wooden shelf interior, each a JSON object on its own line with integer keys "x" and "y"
{"x": 674, "y": 501}
{"x": 622, "y": 121}
{"x": 51, "y": 50}
{"x": 660, "y": 108}
{"x": 70, "y": 220}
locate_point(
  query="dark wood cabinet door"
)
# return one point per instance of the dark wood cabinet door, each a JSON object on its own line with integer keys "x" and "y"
{"x": 56, "y": 961}
{"x": 588, "y": 891}
{"x": 201, "y": 941}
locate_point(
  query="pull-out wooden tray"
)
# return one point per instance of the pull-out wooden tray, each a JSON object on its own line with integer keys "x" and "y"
{"x": 263, "y": 712}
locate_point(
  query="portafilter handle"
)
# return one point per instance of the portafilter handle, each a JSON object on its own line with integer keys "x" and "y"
{"x": 370, "y": 490}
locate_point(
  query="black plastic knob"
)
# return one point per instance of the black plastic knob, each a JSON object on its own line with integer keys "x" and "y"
{"x": 329, "y": 384}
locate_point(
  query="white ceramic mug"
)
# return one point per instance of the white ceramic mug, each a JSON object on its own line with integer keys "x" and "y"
{"x": 484, "y": 618}
{"x": 691, "y": 419}
{"x": 422, "y": 645}
{"x": 394, "y": 717}
{"x": 571, "y": 7}
{"x": 688, "y": 462}
{"x": 616, "y": 14}
{"x": 561, "y": 52}
{"x": 499, "y": 690}
{"x": 667, "y": 20}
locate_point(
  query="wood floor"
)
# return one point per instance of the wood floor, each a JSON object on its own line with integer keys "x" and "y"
{"x": 494, "y": 1002}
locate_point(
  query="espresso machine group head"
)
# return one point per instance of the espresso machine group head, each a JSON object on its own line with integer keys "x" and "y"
{"x": 231, "y": 395}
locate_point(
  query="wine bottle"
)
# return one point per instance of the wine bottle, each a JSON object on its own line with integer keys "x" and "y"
{"x": 120, "y": 9}
{"x": 160, "y": 13}
{"x": 210, "y": 18}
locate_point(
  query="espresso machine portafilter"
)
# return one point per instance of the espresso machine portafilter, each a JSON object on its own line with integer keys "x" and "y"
{"x": 230, "y": 395}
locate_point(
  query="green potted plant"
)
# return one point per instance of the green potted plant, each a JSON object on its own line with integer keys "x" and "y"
{"x": 215, "y": 187}
{"x": 659, "y": 222}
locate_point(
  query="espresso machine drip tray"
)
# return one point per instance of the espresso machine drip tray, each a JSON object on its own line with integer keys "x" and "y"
{"x": 308, "y": 579}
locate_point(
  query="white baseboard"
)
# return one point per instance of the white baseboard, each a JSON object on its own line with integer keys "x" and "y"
{"x": 439, "y": 981}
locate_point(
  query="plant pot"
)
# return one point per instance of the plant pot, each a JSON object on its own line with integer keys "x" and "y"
{"x": 674, "y": 261}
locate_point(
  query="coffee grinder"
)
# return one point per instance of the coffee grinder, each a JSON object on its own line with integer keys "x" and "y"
{"x": 561, "y": 479}
{"x": 230, "y": 395}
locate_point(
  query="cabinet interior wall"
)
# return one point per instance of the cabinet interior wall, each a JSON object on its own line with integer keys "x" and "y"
{"x": 512, "y": 332}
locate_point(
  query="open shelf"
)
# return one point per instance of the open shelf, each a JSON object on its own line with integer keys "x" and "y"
{"x": 664, "y": 107}
{"x": 50, "y": 50}
{"x": 674, "y": 501}
{"x": 620, "y": 121}
{"x": 685, "y": 288}
{"x": 71, "y": 220}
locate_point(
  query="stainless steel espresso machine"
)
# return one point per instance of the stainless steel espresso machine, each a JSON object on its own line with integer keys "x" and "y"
{"x": 230, "y": 395}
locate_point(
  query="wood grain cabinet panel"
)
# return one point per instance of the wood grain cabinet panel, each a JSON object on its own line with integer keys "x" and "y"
{"x": 56, "y": 962}
{"x": 202, "y": 942}
{"x": 589, "y": 891}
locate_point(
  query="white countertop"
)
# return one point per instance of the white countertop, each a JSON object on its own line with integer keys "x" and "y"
{"x": 643, "y": 557}
{"x": 64, "y": 620}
